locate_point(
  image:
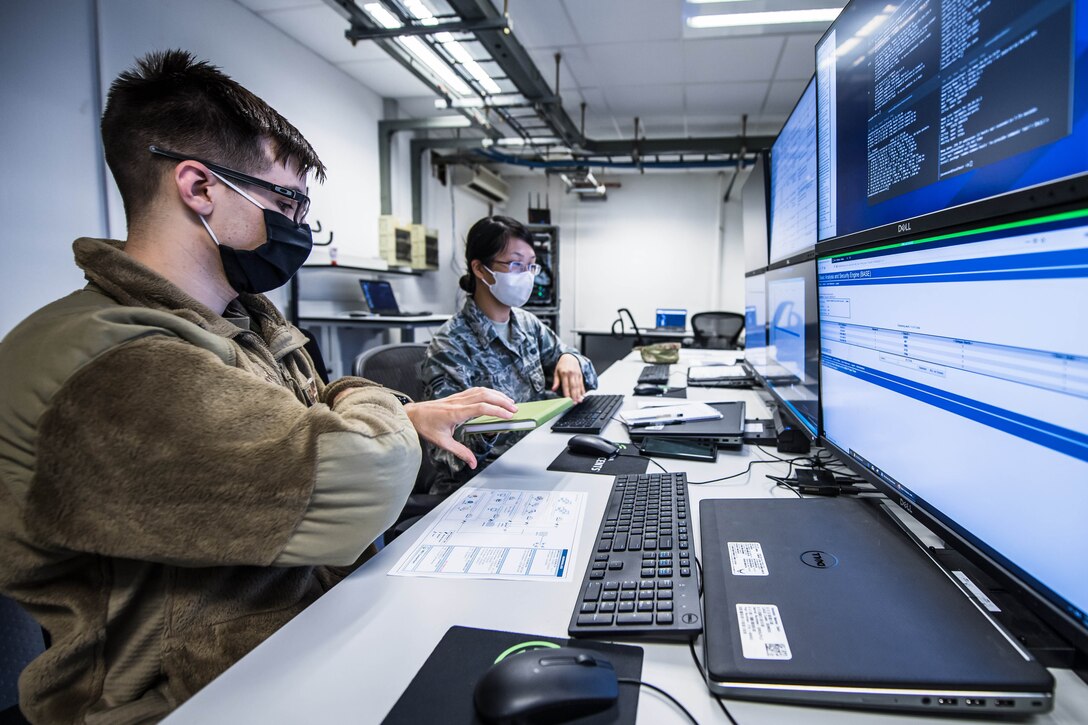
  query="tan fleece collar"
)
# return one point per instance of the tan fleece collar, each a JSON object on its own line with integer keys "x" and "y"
{"x": 105, "y": 265}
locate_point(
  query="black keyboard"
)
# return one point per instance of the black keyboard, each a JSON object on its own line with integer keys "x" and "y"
{"x": 589, "y": 416}
{"x": 641, "y": 579}
{"x": 654, "y": 374}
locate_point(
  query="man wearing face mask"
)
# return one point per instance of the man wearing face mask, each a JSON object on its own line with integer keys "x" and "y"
{"x": 176, "y": 483}
{"x": 494, "y": 343}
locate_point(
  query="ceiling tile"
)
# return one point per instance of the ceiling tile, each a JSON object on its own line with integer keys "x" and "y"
{"x": 636, "y": 64}
{"x": 783, "y": 97}
{"x": 261, "y": 6}
{"x": 387, "y": 78}
{"x": 645, "y": 100}
{"x": 612, "y": 21}
{"x": 724, "y": 98}
{"x": 719, "y": 60}
{"x": 573, "y": 67}
{"x": 322, "y": 30}
{"x": 541, "y": 24}
{"x": 799, "y": 57}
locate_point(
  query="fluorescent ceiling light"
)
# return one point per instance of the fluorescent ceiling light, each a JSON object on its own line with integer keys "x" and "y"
{"x": 707, "y": 2}
{"x": 419, "y": 49}
{"x": 777, "y": 17}
{"x": 422, "y": 13}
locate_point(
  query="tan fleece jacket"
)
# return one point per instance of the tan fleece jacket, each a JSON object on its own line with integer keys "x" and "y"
{"x": 172, "y": 485}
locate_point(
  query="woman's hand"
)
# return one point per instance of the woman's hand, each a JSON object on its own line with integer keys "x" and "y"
{"x": 568, "y": 375}
{"x": 436, "y": 420}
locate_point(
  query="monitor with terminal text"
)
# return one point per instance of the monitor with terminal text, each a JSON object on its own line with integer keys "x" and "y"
{"x": 954, "y": 376}
{"x": 929, "y": 111}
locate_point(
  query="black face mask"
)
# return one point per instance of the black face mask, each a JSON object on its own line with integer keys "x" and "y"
{"x": 273, "y": 263}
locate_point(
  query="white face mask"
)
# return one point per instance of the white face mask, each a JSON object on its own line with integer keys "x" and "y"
{"x": 511, "y": 288}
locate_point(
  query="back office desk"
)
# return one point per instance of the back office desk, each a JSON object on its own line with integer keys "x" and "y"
{"x": 348, "y": 658}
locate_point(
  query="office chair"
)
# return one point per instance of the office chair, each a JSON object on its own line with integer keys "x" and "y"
{"x": 397, "y": 368}
{"x": 22, "y": 641}
{"x": 717, "y": 330}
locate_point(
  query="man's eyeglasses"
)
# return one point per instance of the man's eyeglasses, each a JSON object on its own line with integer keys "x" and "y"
{"x": 519, "y": 267}
{"x": 296, "y": 210}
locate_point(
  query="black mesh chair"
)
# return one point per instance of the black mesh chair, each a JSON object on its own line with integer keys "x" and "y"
{"x": 717, "y": 330}
{"x": 21, "y": 640}
{"x": 397, "y": 368}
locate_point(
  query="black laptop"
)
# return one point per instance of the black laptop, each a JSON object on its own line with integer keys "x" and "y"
{"x": 829, "y": 602}
{"x": 727, "y": 431}
{"x": 381, "y": 300}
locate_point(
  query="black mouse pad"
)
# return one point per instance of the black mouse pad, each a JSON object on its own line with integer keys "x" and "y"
{"x": 442, "y": 689}
{"x": 578, "y": 463}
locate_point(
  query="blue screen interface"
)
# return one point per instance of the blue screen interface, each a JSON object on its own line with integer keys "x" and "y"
{"x": 956, "y": 370}
{"x": 791, "y": 371}
{"x": 924, "y": 105}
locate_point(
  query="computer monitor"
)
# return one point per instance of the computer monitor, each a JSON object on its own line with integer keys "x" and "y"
{"x": 954, "y": 376}
{"x": 930, "y": 108}
{"x": 792, "y": 371}
{"x": 671, "y": 318}
{"x": 755, "y": 320}
{"x": 793, "y": 181}
{"x": 754, "y": 214}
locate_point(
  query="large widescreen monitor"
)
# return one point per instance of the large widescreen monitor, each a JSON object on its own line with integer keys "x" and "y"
{"x": 927, "y": 107}
{"x": 754, "y": 215}
{"x": 792, "y": 371}
{"x": 793, "y": 181}
{"x": 954, "y": 375}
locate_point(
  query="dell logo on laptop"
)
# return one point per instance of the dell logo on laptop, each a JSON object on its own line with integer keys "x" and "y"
{"x": 819, "y": 559}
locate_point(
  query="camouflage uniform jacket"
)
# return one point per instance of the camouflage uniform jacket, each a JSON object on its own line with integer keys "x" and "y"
{"x": 469, "y": 352}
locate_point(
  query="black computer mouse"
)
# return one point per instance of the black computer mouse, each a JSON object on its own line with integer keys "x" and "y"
{"x": 649, "y": 389}
{"x": 587, "y": 445}
{"x": 546, "y": 686}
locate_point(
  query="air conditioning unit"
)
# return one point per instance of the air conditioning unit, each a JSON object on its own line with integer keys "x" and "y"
{"x": 482, "y": 182}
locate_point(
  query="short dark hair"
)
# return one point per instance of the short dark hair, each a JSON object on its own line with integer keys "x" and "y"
{"x": 172, "y": 100}
{"x": 486, "y": 240}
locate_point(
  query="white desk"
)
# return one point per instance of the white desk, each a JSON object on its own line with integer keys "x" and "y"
{"x": 348, "y": 658}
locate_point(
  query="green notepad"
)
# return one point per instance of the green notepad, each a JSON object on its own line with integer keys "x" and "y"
{"x": 529, "y": 416}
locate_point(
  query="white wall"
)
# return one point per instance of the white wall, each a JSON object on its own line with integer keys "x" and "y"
{"x": 49, "y": 123}
{"x": 656, "y": 242}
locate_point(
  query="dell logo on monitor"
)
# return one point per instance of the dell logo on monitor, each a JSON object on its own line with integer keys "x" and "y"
{"x": 819, "y": 559}
{"x": 905, "y": 227}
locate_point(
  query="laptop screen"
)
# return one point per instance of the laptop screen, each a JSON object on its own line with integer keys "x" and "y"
{"x": 672, "y": 317}
{"x": 379, "y": 296}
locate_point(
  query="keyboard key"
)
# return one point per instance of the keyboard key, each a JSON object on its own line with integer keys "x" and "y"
{"x": 589, "y": 607}
{"x": 645, "y": 606}
{"x": 611, "y": 586}
{"x": 627, "y": 596}
{"x": 593, "y": 592}
{"x": 635, "y": 618}
{"x": 611, "y": 606}
{"x": 614, "y": 565}
{"x": 609, "y": 596}
{"x": 647, "y": 594}
{"x": 685, "y": 572}
{"x": 664, "y": 618}
{"x": 626, "y": 607}
{"x": 594, "y": 620}
{"x": 661, "y": 607}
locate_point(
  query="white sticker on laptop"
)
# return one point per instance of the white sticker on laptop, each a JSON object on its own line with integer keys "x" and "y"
{"x": 746, "y": 559}
{"x": 762, "y": 636}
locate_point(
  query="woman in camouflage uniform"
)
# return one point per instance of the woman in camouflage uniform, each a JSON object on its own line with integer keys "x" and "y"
{"x": 493, "y": 343}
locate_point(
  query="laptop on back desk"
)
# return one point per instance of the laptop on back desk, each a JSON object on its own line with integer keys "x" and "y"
{"x": 829, "y": 602}
{"x": 381, "y": 301}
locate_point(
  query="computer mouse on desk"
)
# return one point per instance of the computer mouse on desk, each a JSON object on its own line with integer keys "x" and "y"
{"x": 590, "y": 445}
{"x": 649, "y": 389}
{"x": 546, "y": 686}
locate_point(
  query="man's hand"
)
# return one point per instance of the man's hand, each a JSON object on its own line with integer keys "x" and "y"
{"x": 435, "y": 420}
{"x": 568, "y": 374}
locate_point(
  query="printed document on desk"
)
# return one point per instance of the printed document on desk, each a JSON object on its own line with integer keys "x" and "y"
{"x": 716, "y": 372}
{"x": 669, "y": 414}
{"x": 488, "y": 533}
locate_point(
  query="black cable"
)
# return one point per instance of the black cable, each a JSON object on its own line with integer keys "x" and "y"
{"x": 645, "y": 457}
{"x": 702, "y": 675}
{"x": 745, "y": 472}
{"x": 629, "y": 681}
{"x": 699, "y": 567}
